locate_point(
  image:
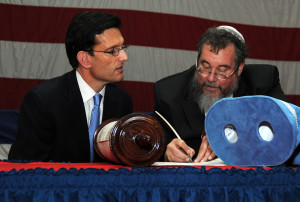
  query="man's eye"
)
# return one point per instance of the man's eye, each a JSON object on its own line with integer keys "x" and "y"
{"x": 222, "y": 71}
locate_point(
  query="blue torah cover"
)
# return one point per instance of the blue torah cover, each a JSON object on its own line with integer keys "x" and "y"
{"x": 253, "y": 130}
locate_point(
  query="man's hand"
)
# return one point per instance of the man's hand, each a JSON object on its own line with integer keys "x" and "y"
{"x": 177, "y": 151}
{"x": 205, "y": 151}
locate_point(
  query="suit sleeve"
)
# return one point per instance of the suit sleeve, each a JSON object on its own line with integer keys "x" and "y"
{"x": 35, "y": 137}
{"x": 130, "y": 105}
{"x": 163, "y": 110}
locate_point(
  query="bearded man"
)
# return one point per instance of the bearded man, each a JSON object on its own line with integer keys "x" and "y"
{"x": 183, "y": 99}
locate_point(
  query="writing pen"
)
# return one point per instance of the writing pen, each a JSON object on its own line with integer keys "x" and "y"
{"x": 174, "y": 131}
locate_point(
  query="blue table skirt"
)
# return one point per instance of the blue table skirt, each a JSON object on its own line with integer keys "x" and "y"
{"x": 151, "y": 184}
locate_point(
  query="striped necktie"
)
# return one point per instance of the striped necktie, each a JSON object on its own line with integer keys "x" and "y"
{"x": 95, "y": 121}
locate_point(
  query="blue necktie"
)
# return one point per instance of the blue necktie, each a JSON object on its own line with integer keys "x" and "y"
{"x": 95, "y": 121}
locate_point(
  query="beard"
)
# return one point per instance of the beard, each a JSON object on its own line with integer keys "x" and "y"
{"x": 205, "y": 101}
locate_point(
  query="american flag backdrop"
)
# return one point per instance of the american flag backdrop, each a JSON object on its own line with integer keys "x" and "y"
{"x": 162, "y": 34}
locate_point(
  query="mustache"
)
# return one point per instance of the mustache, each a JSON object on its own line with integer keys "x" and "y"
{"x": 207, "y": 83}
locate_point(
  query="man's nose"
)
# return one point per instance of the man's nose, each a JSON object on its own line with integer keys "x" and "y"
{"x": 212, "y": 77}
{"x": 123, "y": 55}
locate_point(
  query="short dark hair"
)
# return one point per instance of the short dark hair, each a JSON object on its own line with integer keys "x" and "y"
{"x": 219, "y": 39}
{"x": 83, "y": 29}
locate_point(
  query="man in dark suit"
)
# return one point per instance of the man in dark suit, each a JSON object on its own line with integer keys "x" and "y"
{"x": 55, "y": 115}
{"x": 183, "y": 99}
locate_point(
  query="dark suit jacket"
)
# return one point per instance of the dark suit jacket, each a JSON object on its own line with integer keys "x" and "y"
{"x": 52, "y": 124}
{"x": 174, "y": 101}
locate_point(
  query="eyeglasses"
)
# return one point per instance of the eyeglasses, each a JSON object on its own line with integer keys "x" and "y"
{"x": 219, "y": 74}
{"x": 115, "y": 51}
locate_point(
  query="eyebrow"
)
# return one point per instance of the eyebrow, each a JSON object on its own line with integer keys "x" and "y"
{"x": 113, "y": 46}
{"x": 98, "y": 41}
{"x": 206, "y": 62}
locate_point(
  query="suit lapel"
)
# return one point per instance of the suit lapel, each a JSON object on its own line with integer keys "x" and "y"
{"x": 242, "y": 88}
{"x": 192, "y": 113}
{"x": 75, "y": 108}
{"x": 109, "y": 104}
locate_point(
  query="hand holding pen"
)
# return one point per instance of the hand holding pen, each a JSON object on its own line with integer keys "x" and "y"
{"x": 177, "y": 149}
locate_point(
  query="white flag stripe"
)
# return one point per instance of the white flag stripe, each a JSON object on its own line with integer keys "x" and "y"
{"x": 254, "y": 12}
{"x": 147, "y": 64}
{"x": 32, "y": 60}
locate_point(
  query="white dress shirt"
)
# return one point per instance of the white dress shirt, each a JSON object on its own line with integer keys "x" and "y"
{"x": 87, "y": 94}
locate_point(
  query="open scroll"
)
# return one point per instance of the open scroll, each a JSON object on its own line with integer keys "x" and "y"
{"x": 214, "y": 162}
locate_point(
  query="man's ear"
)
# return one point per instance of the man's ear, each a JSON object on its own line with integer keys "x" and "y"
{"x": 241, "y": 67}
{"x": 84, "y": 59}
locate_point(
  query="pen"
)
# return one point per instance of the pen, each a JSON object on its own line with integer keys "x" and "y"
{"x": 174, "y": 131}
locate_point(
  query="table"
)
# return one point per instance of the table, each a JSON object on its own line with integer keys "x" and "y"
{"x": 38, "y": 181}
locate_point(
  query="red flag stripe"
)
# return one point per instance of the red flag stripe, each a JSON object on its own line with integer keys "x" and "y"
{"x": 138, "y": 91}
{"x": 41, "y": 24}
{"x": 13, "y": 100}
{"x": 276, "y": 13}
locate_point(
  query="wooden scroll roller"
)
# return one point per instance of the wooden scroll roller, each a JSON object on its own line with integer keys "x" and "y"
{"x": 134, "y": 140}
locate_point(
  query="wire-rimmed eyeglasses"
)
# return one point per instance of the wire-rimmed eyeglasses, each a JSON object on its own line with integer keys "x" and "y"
{"x": 115, "y": 51}
{"x": 219, "y": 74}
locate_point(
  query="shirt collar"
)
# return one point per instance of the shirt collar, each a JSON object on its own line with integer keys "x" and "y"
{"x": 86, "y": 91}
